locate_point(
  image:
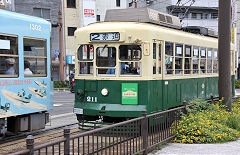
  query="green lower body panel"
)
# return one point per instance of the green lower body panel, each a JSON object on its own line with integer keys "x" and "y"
{"x": 111, "y": 110}
{"x": 127, "y": 99}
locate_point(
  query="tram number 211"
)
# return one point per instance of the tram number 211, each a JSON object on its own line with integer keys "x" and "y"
{"x": 91, "y": 99}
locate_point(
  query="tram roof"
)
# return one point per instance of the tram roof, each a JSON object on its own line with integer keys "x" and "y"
{"x": 18, "y": 16}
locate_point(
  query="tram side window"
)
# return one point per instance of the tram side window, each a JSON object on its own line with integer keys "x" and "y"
{"x": 195, "y": 59}
{"x": 154, "y": 58}
{"x": 203, "y": 61}
{"x": 209, "y": 60}
{"x": 215, "y": 61}
{"x": 35, "y": 57}
{"x": 130, "y": 55}
{"x": 8, "y": 56}
{"x": 178, "y": 59}
{"x": 106, "y": 59}
{"x": 159, "y": 58}
{"x": 188, "y": 59}
{"x": 168, "y": 58}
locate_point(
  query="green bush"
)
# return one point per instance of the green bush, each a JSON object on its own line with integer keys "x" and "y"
{"x": 60, "y": 84}
{"x": 237, "y": 84}
{"x": 209, "y": 125}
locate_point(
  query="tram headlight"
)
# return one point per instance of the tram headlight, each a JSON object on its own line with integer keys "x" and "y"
{"x": 104, "y": 92}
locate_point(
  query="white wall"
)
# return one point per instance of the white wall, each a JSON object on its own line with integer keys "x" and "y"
{"x": 211, "y": 23}
{"x": 207, "y": 3}
{"x": 103, "y": 5}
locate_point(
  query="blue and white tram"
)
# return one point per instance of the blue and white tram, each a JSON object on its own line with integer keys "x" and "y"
{"x": 25, "y": 75}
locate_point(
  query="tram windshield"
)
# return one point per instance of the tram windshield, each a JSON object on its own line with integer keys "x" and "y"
{"x": 106, "y": 57}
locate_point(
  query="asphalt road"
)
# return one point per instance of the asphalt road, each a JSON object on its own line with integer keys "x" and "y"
{"x": 62, "y": 112}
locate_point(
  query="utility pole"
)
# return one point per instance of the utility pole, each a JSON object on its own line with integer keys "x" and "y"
{"x": 224, "y": 85}
{"x": 61, "y": 73}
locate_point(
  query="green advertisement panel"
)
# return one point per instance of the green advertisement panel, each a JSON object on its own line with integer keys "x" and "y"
{"x": 130, "y": 93}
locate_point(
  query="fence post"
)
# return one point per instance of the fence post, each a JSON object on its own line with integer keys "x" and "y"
{"x": 145, "y": 132}
{"x": 185, "y": 107}
{"x": 67, "y": 142}
{"x": 30, "y": 144}
{"x": 211, "y": 99}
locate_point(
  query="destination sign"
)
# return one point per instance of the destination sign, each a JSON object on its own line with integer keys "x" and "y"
{"x": 110, "y": 36}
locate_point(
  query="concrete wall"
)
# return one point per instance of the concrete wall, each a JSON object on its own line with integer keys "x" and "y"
{"x": 26, "y": 7}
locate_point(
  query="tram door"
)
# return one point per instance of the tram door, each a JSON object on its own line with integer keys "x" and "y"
{"x": 157, "y": 75}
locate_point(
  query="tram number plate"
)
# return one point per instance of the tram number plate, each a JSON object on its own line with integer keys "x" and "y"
{"x": 111, "y": 36}
{"x": 78, "y": 111}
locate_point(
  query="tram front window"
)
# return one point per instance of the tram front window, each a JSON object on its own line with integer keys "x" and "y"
{"x": 85, "y": 57}
{"x": 129, "y": 57}
{"x": 106, "y": 60}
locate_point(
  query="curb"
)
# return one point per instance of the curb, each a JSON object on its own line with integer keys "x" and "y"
{"x": 61, "y": 89}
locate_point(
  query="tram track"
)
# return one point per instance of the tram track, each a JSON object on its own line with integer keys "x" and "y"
{"x": 18, "y": 142}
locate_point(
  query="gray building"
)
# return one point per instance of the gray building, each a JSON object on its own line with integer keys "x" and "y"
{"x": 48, "y": 10}
{"x": 191, "y": 12}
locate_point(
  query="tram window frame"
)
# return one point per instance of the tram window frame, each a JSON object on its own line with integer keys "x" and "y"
{"x": 178, "y": 58}
{"x": 203, "y": 60}
{"x": 187, "y": 56}
{"x": 209, "y": 60}
{"x": 85, "y": 62}
{"x": 30, "y": 57}
{"x": 109, "y": 68}
{"x": 6, "y": 55}
{"x": 159, "y": 58}
{"x": 195, "y": 58}
{"x": 215, "y": 61}
{"x": 169, "y": 70}
{"x": 154, "y": 58}
{"x": 132, "y": 66}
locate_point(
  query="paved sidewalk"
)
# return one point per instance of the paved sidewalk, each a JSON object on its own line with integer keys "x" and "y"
{"x": 230, "y": 148}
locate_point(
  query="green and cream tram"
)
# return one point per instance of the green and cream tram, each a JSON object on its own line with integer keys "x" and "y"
{"x": 125, "y": 66}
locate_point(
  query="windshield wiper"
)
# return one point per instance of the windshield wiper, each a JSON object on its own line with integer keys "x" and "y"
{"x": 103, "y": 48}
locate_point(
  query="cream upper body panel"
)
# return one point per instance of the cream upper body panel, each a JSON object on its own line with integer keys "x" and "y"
{"x": 133, "y": 32}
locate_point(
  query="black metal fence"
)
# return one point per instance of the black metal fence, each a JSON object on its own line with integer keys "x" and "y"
{"x": 129, "y": 137}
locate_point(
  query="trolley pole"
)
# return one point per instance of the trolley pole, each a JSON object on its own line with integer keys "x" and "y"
{"x": 61, "y": 74}
{"x": 224, "y": 85}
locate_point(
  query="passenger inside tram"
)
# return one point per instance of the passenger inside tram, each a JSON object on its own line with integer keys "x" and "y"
{"x": 10, "y": 66}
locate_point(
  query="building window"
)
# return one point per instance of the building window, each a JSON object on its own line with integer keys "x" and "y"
{"x": 214, "y": 15}
{"x": 42, "y": 13}
{"x": 98, "y": 18}
{"x": 118, "y": 3}
{"x": 71, "y": 31}
{"x": 71, "y": 4}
